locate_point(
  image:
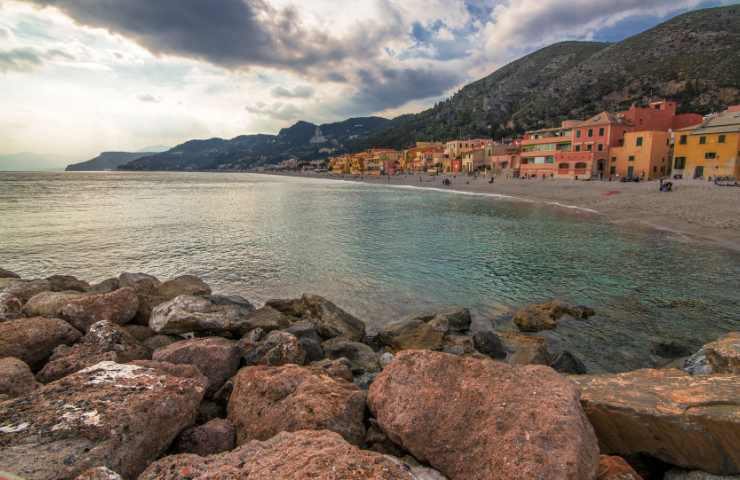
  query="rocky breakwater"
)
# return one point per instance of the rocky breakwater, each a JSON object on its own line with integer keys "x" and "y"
{"x": 135, "y": 377}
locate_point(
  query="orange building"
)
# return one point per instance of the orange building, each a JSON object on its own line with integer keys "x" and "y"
{"x": 645, "y": 154}
{"x": 549, "y": 153}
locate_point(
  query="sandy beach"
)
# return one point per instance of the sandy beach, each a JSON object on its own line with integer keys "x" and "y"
{"x": 695, "y": 209}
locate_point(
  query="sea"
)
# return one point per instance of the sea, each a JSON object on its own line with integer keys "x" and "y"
{"x": 380, "y": 252}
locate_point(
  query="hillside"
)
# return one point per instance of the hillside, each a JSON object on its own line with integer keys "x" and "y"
{"x": 303, "y": 141}
{"x": 106, "y": 161}
{"x": 693, "y": 58}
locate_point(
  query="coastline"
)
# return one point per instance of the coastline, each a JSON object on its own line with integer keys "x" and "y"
{"x": 694, "y": 211}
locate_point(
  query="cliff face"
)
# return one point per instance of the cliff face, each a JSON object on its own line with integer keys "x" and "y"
{"x": 106, "y": 161}
{"x": 693, "y": 58}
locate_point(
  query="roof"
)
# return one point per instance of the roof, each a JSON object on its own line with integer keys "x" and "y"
{"x": 603, "y": 118}
{"x": 726, "y": 122}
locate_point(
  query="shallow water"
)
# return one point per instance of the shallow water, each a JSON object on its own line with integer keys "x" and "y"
{"x": 380, "y": 252}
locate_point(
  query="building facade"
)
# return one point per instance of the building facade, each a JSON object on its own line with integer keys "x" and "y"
{"x": 711, "y": 149}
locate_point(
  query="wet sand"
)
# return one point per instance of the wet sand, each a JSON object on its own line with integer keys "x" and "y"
{"x": 696, "y": 209}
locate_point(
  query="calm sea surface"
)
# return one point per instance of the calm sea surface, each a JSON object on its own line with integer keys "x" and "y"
{"x": 379, "y": 252}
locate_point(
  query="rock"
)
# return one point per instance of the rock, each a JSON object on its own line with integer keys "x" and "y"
{"x": 697, "y": 364}
{"x": 16, "y": 378}
{"x": 319, "y": 455}
{"x": 99, "y": 473}
{"x": 524, "y": 349}
{"x": 106, "y": 286}
{"x": 724, "y": 354}
{"x": 488, "y": 343}
{"x": 377, "y": 441}
{"x": 615, "y": 468}
{"x": 118, "y": 416}
{"x": 48, "y": 304}
{"x": 159, "y": 341}
{"x": 139, "y": 332}
{"x": 234, "y": 300}
{"x": 364, "y": 380}
{"x": 309, "y": 339}
{"x": 302, "y": 330}
{"x": 184, "y": 285}
{"x": 8, "y": 274}
{"x": 696, "y": 475}
{"x": 277, "y": 348}
{"x": 361, "y": 357}
{"x": 329, "y": 320}
{"x": 105, "y": 341}
{"x": 34, "y": 339}
{"x": 459, "y": 345}
{"x": 670, "y": 350}
{"x": 473, "y": 418}
{"x": 270, "y": 400}
{"x": 683, "y": 420}
{"x": 211, "y": 438}
{"x": 185, "y": 314}
{"x": 267, "y": 319}
{"x": 118, "y": 307}
{"x": 67, "y": 283}
{"x": 386, "y": 359}
{"x": 10, "y": 306}
{"x": 427, "y": 331}
{"x": 566, "y": 362}
{"x": 419, "y": 471}
{"x": 341, "y": 368}
{"x": 25, "y": 289}
{"x": 176, "y": 370}
{"x": 140, "y": 282}
{"x": 217, "y": 358}
{"x": 545, "y": 316}
{"x": 209, "y": 410}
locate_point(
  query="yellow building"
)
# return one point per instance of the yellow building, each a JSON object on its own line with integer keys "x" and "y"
{"x": 711, "y": 149}
{"x": 644, "y": 154}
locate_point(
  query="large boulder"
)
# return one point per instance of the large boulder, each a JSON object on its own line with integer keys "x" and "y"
{"x": 118, "y": 416}
{"x": 330, "y": 320}
{"x": 119, "y": 307}
{"x": 319, "y": 455}
{"x": 473, "y": 418}
{"x": 16, "y": 378}
{"x": 145, "y": 286}
{"x": 186, "y": 313}
{"x": 545, "y": 316}
{"x": 687, "y": 421}
{"x": 25, "y": 289}
{"x": 427, "y": 331}
{"x": 105, "y": 341}
{"x": 267, "y": 319}
{"x": 211, "y": 438}
{"x": 8, "y": 274}
{"x": 10, "y": 306}
{"x": 616, "y": 468}
{"x": 217, "y": 358}
{"x": 362, "y": 358}
{"x": 724, "y": 354}
{"x": 269, "y": 400}
{"x": 277, "y": 348}
{"x": 34, "y": 339}
{"x": 48, "y": 304}
{"x": 184, "y": 285}
{"x": 66, "y": 283}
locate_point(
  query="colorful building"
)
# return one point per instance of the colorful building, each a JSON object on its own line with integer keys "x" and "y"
{"x": 549, "y": 153}
{"x": 645, "y": 154}
{"x": 711, "y": 149}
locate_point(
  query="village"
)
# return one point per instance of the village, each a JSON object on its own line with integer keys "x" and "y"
{"x": 643, "y": 143}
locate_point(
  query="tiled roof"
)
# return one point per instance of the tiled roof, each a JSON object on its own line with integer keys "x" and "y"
{"x": 726, "y": 122}
{"x": 602, "y": 118}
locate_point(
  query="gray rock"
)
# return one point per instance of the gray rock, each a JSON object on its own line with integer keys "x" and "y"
{"x": 10, "y": 306}
{"x": 186, "y": 314}
{"x": 329, "y": 320}
{"x": 697, "y": 364}
{"x": 25, "y": 289}
{"x": 67, "y": 283}
{"x": 158, "y": 341}
{"x": 48, "y": 304}
{"x": 361, "y": 357}
{"x": 488, "y": 343}
{"x": 184, "y": 285}
{"x": 139, "y": 332}
{"x": 99, "y": 473}
{"x": 426, "y": 331}
{"x": 211, "y": 438}
{"x": 267, "y": 319}
{"x": 8, "y": 274}
{"x": 106, "y": 286}
{"x": 339, "y": 369}
{"x": 312, "y": 348}
{"x": 566, "y": 362}
{"x": 459, "y": 345}
{"x": 277, "y": 348}
{"x": 16, "y": 378}
{"x": 386, "y": 359}
{"x": 141, "y": 282}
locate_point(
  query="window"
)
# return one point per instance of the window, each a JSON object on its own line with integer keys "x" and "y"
{"x": 722, "y": 139}
{"x": 578, "y": 134}
{"x": 710, "y": 155}
{"x": 680, "y": 163}
{"x": 590, "y": 132}
{"x": 549, "y": 160}
{"x": 589, "y": 147}
{"x": 613, "y": 170}
{"x": 614, "y": 159}
{"x": 655, "y": 169}
{"x": 601, "y": 147}
{"x": 632, "y": 158}
{"x": 601, "y": 132}
{"x": 578, "y": 148}
{"x": 639, "y": 141}
{"x": 703, "y": 140}
{"x": 563, "y": 166}
{"x": 580, "y": 166}
{"x": 683, "y": 139}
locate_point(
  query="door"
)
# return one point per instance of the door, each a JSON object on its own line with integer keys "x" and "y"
{"x": 630, "y": 172}
{"x": 699, "y": 172}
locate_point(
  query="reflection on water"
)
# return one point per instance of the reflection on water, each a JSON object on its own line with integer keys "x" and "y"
{"x": 380, "y": 252}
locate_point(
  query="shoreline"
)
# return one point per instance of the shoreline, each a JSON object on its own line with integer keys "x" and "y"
{"x": 694, "y": 211}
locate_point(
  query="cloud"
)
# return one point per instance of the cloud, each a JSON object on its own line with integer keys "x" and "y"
{"x": 304, "y": 91}
{"x": 26, "y": 59}
{"x": 147, "y": 98}
{"x": 4, "y": 33}
{"x": 275, "y": 111}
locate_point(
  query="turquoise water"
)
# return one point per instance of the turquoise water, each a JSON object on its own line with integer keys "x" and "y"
{"x": 380, "y": 252}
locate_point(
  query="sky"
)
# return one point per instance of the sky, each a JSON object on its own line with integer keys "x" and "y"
{"x": 78, "y": 77}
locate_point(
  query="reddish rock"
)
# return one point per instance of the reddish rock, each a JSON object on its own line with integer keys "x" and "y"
{"x": 145, "y": 287}
{"x": 8, "y": 274}
{"x": 118, "y": 416}
{"x": 183, "y": 285}
{"x": 25, "y": 289}
{"x": 616, "y": 468}
{"x": 67, "y": 283}
{"x": 160, "y": 341}
{"x": 182, "y": 371}
{"x": 210, "y": 438}
{"x": 687, "y": 421}
{"x": 48, "y": 304}
{"x": 329, "y": 320}
{"x": 269, "y": 400}
{"x": 16, "y": 378}
{"x": 277, "y": 348}
{"x": 473, "y": 418}
{"x": 318, "y": 455}
{"x": 99, "y": 473}
{"x": 426, "y": 331}
{"x": 105, "y": 341}
{"x": 10, "y": 307}
{"x": 525, "y": 349}
{"x": 724, "y": 354}
{"x": 341, "y": 368}
{"x": 34, "y": 339}
{"x": 139, "y": 332}
{"x": 217, "y": 358}
{"x": 118, "y": 307}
